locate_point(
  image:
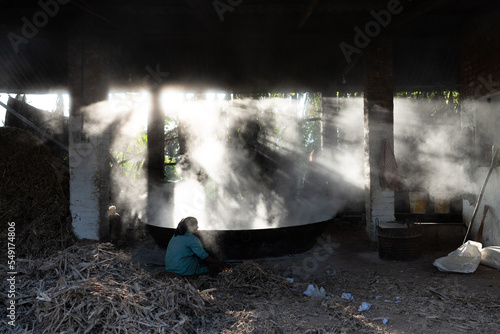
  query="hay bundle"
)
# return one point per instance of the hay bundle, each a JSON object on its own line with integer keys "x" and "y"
{"x": 94, "y": 289}
{"x": 34, "y": 194}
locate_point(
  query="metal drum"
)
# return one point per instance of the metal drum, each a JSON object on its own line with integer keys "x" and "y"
{"x": 399, "y": 241}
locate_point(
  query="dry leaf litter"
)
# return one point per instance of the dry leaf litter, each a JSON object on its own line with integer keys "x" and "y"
{"x": 96, "y": 289}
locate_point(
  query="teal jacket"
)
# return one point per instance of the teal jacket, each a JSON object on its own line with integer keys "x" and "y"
{"x": 183, "y": 256}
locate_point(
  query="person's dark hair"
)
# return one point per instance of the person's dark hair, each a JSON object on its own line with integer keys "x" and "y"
{"x": 182, "y": 227}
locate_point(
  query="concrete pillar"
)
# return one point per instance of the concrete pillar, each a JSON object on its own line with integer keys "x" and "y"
{"x": 379, "y": 125}
{"x": 89, "y": 140}
{"x": 155, "y": 161}
{"x": 329, "y": 111}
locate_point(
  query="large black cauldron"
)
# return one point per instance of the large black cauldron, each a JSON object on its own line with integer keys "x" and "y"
{"x": 250, "y": 244}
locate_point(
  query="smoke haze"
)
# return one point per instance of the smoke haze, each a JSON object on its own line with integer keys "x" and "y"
{"x": 430, "y": 148}
{"x": 246, "y": 165}
{"x": 258, "y": 163}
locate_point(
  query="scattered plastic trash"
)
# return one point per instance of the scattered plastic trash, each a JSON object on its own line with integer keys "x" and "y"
{"x": 44, "y": 297}
{"x": 347, "y": 296}
{"x": 289, "y": 280}
{"x": 398, "y": 300}
{"x": 330, "y": 296}
{"x": 385, "y": 321}
{"x": 314, "y": 292}
{"x": 364, "y": 307}
{"x": 465, "y": 259}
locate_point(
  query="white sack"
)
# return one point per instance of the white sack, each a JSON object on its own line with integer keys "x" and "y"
{"x": 465, "y": 259}
{"x": 490, "y": 256}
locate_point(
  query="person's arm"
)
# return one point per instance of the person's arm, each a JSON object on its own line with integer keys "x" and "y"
{"x": 198, "y": 249}
{"x": 211, "y": 260}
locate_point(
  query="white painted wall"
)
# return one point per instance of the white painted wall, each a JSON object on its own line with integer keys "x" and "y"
{"x": 487, "y": 124}
{"x": 89, "y": 180}
{"x": 491, "y": 197}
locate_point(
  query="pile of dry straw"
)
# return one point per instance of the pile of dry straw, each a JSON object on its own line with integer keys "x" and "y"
{"x": 34, "y": 194}
{"x": 95, "y": 289}
{"x": 68, "y": 287}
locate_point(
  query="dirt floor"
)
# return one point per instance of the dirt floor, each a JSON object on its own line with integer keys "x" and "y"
{"x": 398, "y": 296}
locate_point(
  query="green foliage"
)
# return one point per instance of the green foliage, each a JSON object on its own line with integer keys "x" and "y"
{"x": 442, "y": 103}
{"x": 170, "y": 171}
{"x": 131, "y": 160}
{"x": 311, "y": 124}
{"x": 311, "y": 133}
{"x": 451, "y": 97}
{"x": 172, "y": 149}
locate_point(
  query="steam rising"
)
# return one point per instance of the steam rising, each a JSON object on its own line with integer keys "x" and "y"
{"x": 262, "y": 163}
{"x": 244, "y": 167}
{"x": 126, "y": 115}
{"x": 241, "y": 157}
{"x": 246, "y": 164}
{"x": 430, "y": 147}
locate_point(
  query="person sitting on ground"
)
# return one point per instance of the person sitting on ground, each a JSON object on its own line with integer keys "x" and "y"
{"x": 185, "y": 254}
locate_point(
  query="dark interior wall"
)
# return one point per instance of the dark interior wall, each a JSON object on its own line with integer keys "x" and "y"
{"x": 40, "y": 65}
{"x": 258, "y": 45}
{"x": 245, "y": 65}
{"x": 480, "y": 57}
{"x": 171, "y": 40}
{"x": 427, "y": 63}
{"x": 480, "y": 79}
